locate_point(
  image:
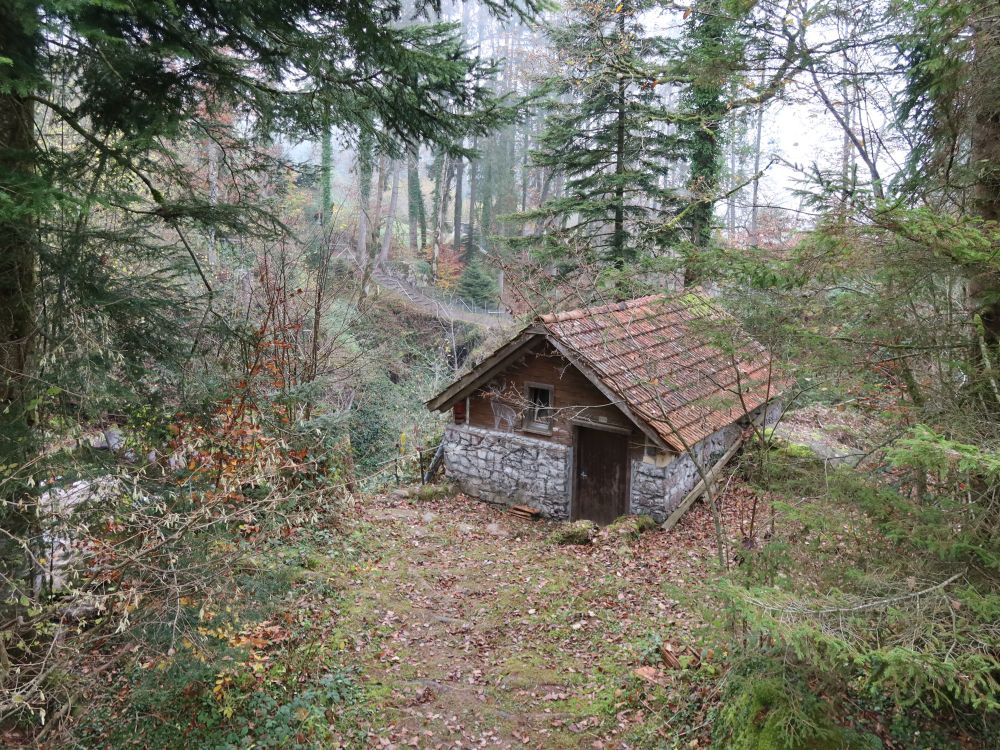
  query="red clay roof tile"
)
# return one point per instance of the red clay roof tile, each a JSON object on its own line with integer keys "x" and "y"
{"x": 680, "y": 364}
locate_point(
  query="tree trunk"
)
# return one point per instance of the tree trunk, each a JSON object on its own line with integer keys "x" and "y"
{"x": 213, "y": 199}
{"x": 708, "y": 24}
{"x": 618, "y": 241}
{"x": 414, "y": 199}
{"x": 733, "y": 181}
{"x": 459, "y": 174}
{"x": 376, "y": 218}
{"x": 364, "y": 167}
{"x": 441, "y": 208}
{"x": 984, "y": 288}
{"x": 326, "y": 170}
{"x": 524, "y": 170}
{"x": 390, "y": 218}
{"x": 754, "y": 209}
{"x": 18, "y": 223}
{"x": 470, "y": 246}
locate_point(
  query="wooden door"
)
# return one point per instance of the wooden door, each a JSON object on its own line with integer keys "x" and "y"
{"x": 601, "y": 475}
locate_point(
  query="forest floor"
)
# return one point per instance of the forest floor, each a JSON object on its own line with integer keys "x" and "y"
{"x": 400, "y": 622}
{"x": 476, "y": 631}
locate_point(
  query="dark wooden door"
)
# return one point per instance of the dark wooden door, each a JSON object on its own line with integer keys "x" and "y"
{"x": 601, "y": 475}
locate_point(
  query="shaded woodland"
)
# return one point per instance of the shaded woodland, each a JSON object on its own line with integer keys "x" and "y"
{"x": 242, "y": 244}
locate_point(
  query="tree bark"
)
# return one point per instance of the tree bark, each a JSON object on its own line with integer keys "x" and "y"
{"x": 376, "y": 219}
{"x": 18, "y": 222}
{"x": 524, "y": 170}
{"x": 459, "y": 174}
{"x": 444, "y": 182}
{"x": 733, "y": 180}
{"x": 470, "y": 246}
{"x": 326, "y": 170}
{"x": 413, "y": 199}
{"x": 390, "y": 217}
{"x": 618, "y": 241}
{"x": 213, "y": 199}
{"x": 984, "y": 287}
{"x": 754, "y": 208}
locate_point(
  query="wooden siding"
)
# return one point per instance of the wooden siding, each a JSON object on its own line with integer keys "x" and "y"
{"x": 575, "y": 399}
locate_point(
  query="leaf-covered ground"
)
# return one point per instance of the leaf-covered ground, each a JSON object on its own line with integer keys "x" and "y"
{"x": 443, "y": 623}
{"x": 471, "y": 629}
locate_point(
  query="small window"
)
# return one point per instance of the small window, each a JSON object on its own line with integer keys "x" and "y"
{"x": 654, "y": 455}
{"x": 538, "y": 415}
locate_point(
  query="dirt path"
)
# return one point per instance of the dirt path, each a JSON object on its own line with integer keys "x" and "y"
{"x": 473, "y": 631}
{"x": 454, "y": 311}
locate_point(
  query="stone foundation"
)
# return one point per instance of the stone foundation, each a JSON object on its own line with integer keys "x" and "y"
{"x": 508, "y": 468}
{"x": 657, "y": 491}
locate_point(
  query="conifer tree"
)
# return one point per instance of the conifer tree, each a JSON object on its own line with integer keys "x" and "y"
{"x": 476, "y": 284}
{"x": 605, "y": 132}
{"x": 121, "y": 84}
{"x": 710, "y": 57}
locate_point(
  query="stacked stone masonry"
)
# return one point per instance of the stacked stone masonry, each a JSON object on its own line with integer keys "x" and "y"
{"x": 657, "y": 491}
{"x": 508, "y": 468}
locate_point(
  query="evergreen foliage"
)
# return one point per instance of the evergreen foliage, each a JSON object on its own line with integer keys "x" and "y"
{"x": 607, "y": 131}
{"x": 157, "y": 280}
{"x": 107, "y": 305}
{"x": 476, "y": 283}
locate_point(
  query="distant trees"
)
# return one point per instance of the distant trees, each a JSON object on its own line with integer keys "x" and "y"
{"x": 606, "y": 131}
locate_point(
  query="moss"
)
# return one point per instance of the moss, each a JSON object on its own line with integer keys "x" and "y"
{"x": 794, "y": 450}
{"x": 631, "y": 527}
{"x": 786, "y": 448}
{"x": 434, "y": 492}
{"x": 578, "y": 532}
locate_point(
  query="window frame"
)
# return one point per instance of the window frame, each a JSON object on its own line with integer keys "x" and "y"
{"x": 654, "y": 455}
{"x": 528, "y": 424}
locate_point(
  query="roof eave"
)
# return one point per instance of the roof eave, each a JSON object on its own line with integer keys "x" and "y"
{"x": 468, "y": 383}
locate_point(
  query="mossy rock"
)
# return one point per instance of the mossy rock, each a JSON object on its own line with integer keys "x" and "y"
{"x": 631, "y": 527}
{"x": 787, "y": 448}
{"x": 794, "y": 450}
{"x": 434, "y": 492}
{"x": 578, "y": 532}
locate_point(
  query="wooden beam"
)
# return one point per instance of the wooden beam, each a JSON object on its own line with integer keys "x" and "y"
{"x": 613, "y": 398}
{"x": 711, "y": 475}
{"x": 483, "y": 371}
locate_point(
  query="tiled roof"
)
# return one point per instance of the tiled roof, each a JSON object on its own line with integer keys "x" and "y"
{"x": 677, "y": 362}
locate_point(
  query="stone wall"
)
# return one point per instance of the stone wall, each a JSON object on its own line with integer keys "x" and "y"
{"x": 508, "y": 468}
{"x": 657, "y": 491}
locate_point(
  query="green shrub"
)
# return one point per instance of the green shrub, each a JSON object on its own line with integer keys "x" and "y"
{"x": 225, "y": 710}
{"x": 765, "y": 708}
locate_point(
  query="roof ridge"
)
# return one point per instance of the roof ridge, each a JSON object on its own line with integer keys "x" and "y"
{"x": 585, "y": 312}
